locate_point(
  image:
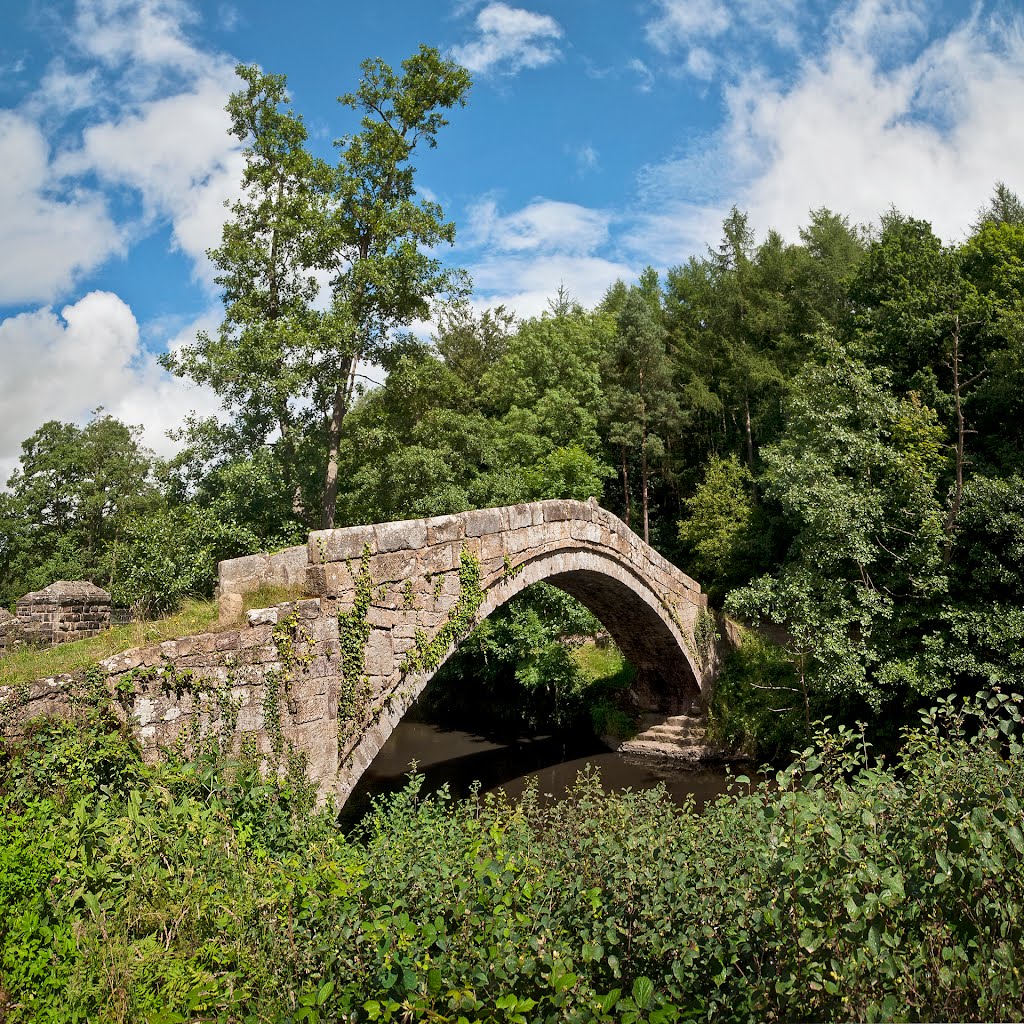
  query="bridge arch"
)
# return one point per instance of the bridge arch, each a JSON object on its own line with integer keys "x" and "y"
{"x": 647, "y": 605}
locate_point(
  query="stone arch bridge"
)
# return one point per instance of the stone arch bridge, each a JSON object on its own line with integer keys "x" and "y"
{"x": 332, "y": 673}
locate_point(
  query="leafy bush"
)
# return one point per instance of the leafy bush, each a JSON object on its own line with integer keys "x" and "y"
{"x": 199, "y": 889}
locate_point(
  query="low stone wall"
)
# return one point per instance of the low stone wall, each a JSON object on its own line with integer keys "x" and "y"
{"x": 237, "y": 577}
{"x": 63, "y": 611}
{"x": 270, "y": 683}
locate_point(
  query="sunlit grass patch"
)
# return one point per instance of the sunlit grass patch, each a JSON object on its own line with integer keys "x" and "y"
{"x": 27, "y": 663}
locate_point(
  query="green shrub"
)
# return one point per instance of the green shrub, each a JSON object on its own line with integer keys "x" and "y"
{"x": 200, "y": 889}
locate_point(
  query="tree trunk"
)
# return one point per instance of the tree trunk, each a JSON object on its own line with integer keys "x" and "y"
{"x": 643, "y": 486}
{"x": 959, "y": 386}
{"x": 625, "y": 486}
{"x": 339, "y": 407}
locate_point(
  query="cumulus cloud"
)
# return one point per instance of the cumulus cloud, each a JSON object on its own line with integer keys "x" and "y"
{"x": 155, "y": 141}
{"x": 856, "y": 129}
{"x": 545, "y": 225}
{"x": 510, "y": 39}
{"x": 176, "y": 153}
{"x": 47, "y": 240}
{"x": 522, "y": 257}
{"x": 62, "y": 366}
{"x": 146, "y": 34}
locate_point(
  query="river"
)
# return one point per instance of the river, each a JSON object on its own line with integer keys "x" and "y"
{"x": 460, "y": 759}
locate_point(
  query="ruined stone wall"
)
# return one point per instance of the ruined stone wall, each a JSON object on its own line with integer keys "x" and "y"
{"x": 270, "y": 683}
{"x": 9, "y": 635}
{"x": 63, "y": 611}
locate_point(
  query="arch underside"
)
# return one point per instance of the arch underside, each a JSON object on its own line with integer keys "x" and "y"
{"x": 665, "y": 680}
{"x": 616, "y": 593}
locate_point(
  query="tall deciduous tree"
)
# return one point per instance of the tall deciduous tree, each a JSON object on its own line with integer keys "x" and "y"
{"x": 259, "y": 360}
{"x": 355, "y": 234}
{"x": 378, "y": 235}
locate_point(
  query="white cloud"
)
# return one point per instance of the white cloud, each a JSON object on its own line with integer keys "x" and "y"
{"x": 644, "y": 73}
{"x": 857, "y": 130}
{"x": 690, "y": 26}
{"x": 140, "y": 32}
{"x": 679, "y": 22}
{"x": 545, "y": 225}
{"x": 510, "y": 39}
{"x": 176, "y": 152}
{"x": 62, "y": 367}
{"x": 524, "y": 256}
{"x": 587, "y": 159}
{"x": 46, "y": 241}
{"x": 525, "y": 285}
{"x": 701, "y": 63}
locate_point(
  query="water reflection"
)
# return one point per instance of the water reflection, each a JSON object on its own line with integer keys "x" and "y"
{"x": 461, "y": 758}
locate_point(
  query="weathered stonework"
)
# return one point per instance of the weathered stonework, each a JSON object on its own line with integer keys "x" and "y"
{"x": 9, "y": 635}
{"x": 333, "y": 675}
{"x": 63, "y": 611}
{"x": 237, "y": 577}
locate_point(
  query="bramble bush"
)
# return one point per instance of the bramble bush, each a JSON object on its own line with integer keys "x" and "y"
{"x": 199, "y": 889}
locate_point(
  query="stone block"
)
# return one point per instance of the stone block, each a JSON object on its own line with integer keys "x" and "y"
{"x": 519, "y": 516}
{"x": 287, "y": 568}
{"x": 557, "y": 511}
{"x": 408, "y": 535}
{"x": 337, "y": 579}
{"x": 386, "y": 618}
{"x": 588, "y": 532}
{"x": 311, "y": 709}
{"x": 263, "y": 617}
{"x": 256, "y": 636}
{"x": 239, "y": 575}
{"x": 492, "y": 546}
{"x": 393, "y": 567}
{"x": 442, "y": 529}
{"x": 338, "y": 545}
{"x": 439, "y": 558}
{"x": 379, "y": 651}
{"x": 324, "y": 628}
{"x": 483, "y": 522}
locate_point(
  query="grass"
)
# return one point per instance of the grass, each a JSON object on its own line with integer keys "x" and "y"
{"x": 607, "y": 674}
{"x": 27, "y": 663}
{"x": 603, "y": 665}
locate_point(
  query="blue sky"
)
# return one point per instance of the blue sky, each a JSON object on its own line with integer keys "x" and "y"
{"x": 599, "y": 137}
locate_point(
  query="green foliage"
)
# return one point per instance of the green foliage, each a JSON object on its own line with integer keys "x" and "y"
{"x": 842, "y": 889}
{"x": 172, "y": 553}
{"x": 755, "y": 704}
{"x": 71, "y": 498}
{"x": 723, "y": 528}
{"x": 353, "y": 633}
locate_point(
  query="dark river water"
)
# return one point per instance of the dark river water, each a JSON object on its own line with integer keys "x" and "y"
{"x": 461, "y": 758}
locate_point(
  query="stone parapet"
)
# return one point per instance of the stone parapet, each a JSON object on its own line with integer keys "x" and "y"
{"x": 237, "y": 577}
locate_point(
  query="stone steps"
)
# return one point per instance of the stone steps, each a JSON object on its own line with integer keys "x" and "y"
{"x": 677, "y": 736}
